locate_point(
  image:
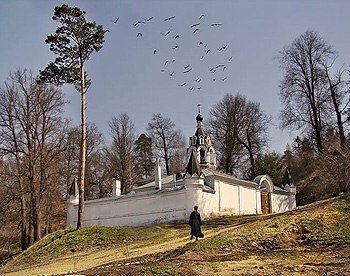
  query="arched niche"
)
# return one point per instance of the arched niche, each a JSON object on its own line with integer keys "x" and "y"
{"x": 264, "y": 181}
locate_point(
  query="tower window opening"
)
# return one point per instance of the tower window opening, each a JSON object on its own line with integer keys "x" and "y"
{"x": 211, "y": 157}
{"x": 202, "y": 156}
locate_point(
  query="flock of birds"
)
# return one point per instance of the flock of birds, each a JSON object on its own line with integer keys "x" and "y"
{"x": 190, "y": 73}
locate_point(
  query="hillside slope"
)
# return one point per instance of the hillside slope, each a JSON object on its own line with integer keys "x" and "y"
{"x": 310, "y": 240}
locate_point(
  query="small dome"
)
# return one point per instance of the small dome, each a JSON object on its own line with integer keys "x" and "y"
{"x": 199, "y": 118}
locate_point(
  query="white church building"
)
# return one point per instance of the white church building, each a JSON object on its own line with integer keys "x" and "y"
{"x": 169, "y": 199}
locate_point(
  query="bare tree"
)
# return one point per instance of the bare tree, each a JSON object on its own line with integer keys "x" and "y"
{"x": 32, "y": 135}
{"x": 177, "y": 162}
{"x": 165, "y": 138}
{"x": 340, "y": 95}
{"x": 122, "y": 151}
{"x": 303, "y": 88}
{"x": 95, "y": 172}
{"x": 238, "y": 129}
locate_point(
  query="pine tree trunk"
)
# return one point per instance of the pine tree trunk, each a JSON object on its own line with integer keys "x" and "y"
{"x": 83, "y": 149}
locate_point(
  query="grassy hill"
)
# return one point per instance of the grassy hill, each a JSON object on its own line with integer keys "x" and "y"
{"x": 310, "y": 240}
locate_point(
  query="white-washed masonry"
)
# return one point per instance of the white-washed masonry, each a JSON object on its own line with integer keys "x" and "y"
{"x": 168, "y": 199}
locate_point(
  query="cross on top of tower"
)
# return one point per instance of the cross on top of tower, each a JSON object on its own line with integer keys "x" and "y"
{"x": 199, "y": 108}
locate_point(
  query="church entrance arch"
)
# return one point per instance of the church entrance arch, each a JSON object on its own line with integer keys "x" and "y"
{"x": 266, "y": 188}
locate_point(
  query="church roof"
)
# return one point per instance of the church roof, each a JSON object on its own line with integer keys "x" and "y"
{"x": 287, "y": 178}
{"x": 199, "y": 132}
{"x": 193, "y": 165}
{"x": 229, "y": 178}
{"x": 74, "y": 190}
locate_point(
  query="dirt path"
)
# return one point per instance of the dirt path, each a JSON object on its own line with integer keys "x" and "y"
{"x": 91, "y": 259}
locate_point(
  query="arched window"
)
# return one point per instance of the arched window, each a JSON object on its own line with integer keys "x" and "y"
{"x": 194, "y": 140}
{"x": 212, "y": 157}
{"x": 202, "y": 156}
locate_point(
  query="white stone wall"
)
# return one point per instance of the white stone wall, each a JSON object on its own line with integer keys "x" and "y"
{"x": 279, "y": 203}
{"x": 230, "y": 200}
{"x": 134, "y": 211}
{"x": 176, "y": 205}
{"x": 248, "y": 201}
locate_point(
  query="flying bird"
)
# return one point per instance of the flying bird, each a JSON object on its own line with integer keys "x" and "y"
{"x": 148, "y": 19}
{"x": 224, "y": 68}
{"x": 139, "y": 22}
{"x": 224, "y": 47}
{"x": 202, "y": 15}
{"x": 200, "y": 43}
{"x": 181, "y": 84}
{"x": 187, "y": 71}
{"x": 198, "y": 79}
{"x": 167, "y": 19}
{"x": 207, "y": 51}
{"x": 191, "y": 88}
{"x": 173, "y": 60}
{"x": 202, "y": 57}
{"x": 214, "y": 79}
{"x": 198, "y": 88}
{"x": 194, "y": 25}
{"x": 195, "y": 30}
{"x": 165, "y": 63}
{"x": 155, "y": 51}
{"x": 220, "y": 65}
{"x": 187, "y": 66}
{"x": 139, "y": 34}
{"x": 172, "y": 73}
{"x": 205, "y": 46}
{"x": 224, "y": 78}
{"x": 115, "y": 21}
{"x": 220, "y": 49}
{"x": 107, "y": 31}
{"x": 175, "y": 47}
{"x": 165, "y": 34}
{"x": 215, "y": 24}
{"x": 177, "y": 36}
{"x": 230, "y": 59}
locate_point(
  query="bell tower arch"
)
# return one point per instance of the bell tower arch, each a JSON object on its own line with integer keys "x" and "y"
{"x": 200, "y": 144}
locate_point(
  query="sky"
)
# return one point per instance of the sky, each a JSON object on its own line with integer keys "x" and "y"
{"x": 145, "y": 69}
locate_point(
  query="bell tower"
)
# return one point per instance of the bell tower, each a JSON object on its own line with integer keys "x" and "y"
{"x": 200, "y": 144}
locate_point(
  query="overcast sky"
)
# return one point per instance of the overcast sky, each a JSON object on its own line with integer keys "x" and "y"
{"x": 143, "y": 70}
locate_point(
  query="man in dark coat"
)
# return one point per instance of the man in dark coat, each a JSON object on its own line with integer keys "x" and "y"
{"x": 195, "y": 222}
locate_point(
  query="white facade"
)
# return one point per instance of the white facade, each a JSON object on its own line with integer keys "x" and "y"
{"x": 171, "y": 199}
{"x": 215, "y": 194}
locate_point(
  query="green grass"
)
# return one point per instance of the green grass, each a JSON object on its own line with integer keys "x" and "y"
{"x": 326, "y": 223}
{"x": 68, "y": 241}
{"x": 324, "y": 226}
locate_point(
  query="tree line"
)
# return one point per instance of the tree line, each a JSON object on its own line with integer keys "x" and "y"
{"x": 41, "y": 156}
{"x": 315, "y": 96}
{"x": 42, "y": 153}
{"x": 41, "y": 150}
